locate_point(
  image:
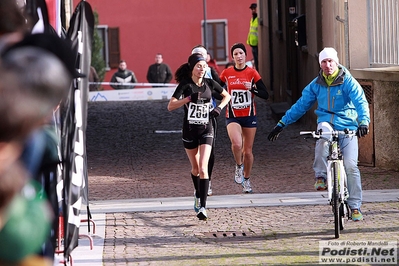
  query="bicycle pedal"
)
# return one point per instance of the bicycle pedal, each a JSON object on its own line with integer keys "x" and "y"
{"x": 346, "y": 194}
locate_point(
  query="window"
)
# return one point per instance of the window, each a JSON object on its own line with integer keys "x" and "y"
{"x": 384, "y": 32}
{"x": 110, "y": 50}
{"x": 216, "y": 39}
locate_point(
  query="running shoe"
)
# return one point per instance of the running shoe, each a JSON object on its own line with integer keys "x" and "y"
{"x": 246, "y": 186}
{"x": 202, "y": 215}
{"x": 239, "y": 174}
{"x": 197, "y": 204}
{"x": 356, "y": 215}
{"x": 209, "y": 189}
{"x": 320, "y": 184}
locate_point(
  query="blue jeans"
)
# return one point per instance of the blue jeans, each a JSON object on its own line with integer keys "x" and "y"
{"x": 349, "y": 148}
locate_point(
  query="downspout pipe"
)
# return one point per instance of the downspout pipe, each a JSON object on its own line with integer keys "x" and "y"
{"x": 346, "y": 33}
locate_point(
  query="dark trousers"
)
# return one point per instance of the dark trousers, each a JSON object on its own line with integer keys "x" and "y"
{"x": 255, "y": 55}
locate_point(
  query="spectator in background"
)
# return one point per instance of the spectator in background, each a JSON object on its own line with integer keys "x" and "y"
{"x": 159, "y": 72}
{"x": 123, "y": 76}
{"x": 252, "y": 39}
{"x": 93, "y": 77}
{"x": 212, "y": 63}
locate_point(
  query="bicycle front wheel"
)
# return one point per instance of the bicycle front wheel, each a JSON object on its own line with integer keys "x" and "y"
{"x": 335, "y": 199}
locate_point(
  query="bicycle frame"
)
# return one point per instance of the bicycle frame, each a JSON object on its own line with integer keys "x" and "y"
{"x": 336, "y": 175}
{"x": 335, "y": 156}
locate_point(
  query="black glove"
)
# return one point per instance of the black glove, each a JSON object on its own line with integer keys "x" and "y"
{"x": 362, "y": 131}
{"x": 275, "y": 132}
{"x": 194, "y": 97}
{"x": 216, "y": 111}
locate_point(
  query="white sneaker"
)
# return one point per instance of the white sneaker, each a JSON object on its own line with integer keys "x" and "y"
{"x": 202, "y": 215}
{"x": 246, "y": 186}
{"x": 239, "y": 174}
{"x": 209, "y": 189}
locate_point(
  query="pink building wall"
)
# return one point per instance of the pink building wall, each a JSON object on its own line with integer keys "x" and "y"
{"x": 170, "y": 27}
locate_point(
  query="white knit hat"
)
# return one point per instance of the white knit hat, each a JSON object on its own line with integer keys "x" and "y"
{"x": 328, "y": 52}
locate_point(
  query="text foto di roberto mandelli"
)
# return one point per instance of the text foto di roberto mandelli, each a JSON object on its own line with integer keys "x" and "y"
{"x": 383, "y": 252}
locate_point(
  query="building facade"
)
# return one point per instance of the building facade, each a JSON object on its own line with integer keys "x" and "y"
{"x": 137, "y": 30}
{"x": 365, "y": 34}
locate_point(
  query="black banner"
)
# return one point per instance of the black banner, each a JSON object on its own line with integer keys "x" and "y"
{"x": 74, "y": 122}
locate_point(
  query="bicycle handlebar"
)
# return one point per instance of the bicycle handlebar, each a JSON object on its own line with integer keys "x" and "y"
{"x": 319, "y": 134}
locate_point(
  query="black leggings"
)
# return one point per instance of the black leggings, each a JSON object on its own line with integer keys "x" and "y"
{"x": 212, "y": 156}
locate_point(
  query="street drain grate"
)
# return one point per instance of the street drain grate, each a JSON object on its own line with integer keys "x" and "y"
{"x": 230, "y": 236}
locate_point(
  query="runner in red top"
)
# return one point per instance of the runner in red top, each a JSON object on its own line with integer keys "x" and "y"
{"x": 242, "y": 83}
{"x": 239, "y": 83}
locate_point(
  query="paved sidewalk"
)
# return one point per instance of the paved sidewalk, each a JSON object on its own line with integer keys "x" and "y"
{"x": 253, "y": 230}
{"x": 231, "y": 201}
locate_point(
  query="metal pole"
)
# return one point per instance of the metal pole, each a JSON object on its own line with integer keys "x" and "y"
{"x": 68, "y": 4}
{"x": 205, "y": 33}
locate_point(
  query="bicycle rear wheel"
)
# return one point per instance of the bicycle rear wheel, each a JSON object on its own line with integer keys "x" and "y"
{"x": 335, "y": 199}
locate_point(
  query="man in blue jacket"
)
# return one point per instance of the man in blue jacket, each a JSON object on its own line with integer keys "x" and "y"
{"x": 341, "y": 103}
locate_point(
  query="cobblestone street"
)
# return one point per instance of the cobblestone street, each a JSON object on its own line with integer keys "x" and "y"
{"x": 134, "y": 152}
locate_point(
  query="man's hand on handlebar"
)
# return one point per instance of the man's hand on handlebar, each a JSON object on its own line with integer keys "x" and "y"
{"x": 362, "y": 131}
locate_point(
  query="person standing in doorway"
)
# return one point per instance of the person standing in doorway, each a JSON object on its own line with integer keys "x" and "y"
{"x": 243, "y": 83}
{"x": 123, "y": 75}
{"x": 159, "y": 72}
{"x": 252, "y": 39}
{"x": 194, "y": 92}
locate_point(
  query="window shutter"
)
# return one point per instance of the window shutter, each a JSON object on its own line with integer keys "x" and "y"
{"x": 216, "y": 40}
{"x": 113, "y": 47}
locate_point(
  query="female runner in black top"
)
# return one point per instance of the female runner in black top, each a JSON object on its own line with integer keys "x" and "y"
{"x": 194, "y": 92}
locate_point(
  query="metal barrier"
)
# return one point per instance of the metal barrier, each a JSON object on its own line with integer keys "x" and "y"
{"x": 141, "y": 92}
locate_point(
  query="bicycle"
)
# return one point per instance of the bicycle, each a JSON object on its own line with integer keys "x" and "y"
{"x": 336, "y": 175}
